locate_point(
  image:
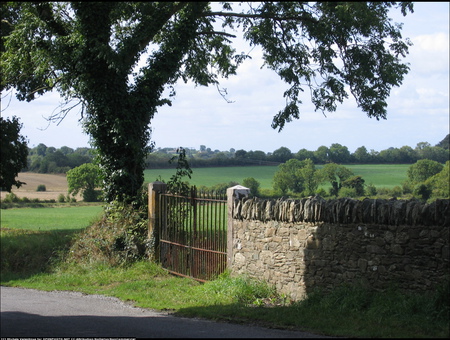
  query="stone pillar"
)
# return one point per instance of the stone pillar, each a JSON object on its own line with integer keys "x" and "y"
{"x": 154, "y": 191}
{"x": 234, "y": 193}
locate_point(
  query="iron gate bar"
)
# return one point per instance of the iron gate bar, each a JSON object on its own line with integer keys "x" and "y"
{"x": 202, "y": 249}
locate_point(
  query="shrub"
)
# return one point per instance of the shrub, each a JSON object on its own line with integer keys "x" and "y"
{"x": 407, "y": 187}
{"x": 11, "y": 198}
{"x": 252, "y": 184}
{"x": 396, "y": 191}
{"x": 41, "y": 187}
{"x": 118, "y": 238}
{"x": 371, "y": 190}
{"x": 61, "y": 198}
{"x": 347, "y": 192}
{"x": 422, "y": 191}
{"x": 321, "y": 192}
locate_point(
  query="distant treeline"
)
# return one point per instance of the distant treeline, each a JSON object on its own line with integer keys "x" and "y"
{"x": 336, "y": 153}
{"x": 43, "y": 159}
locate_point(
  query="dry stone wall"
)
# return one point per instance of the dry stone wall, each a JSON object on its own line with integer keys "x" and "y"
{"x": 299, "y": 245}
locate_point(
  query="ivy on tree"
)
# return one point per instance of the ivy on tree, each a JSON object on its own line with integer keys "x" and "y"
{"x": 89, "y": 51}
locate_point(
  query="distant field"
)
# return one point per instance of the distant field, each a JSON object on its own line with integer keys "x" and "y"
{"x": 65, "y": 218}
{"x": 380, "y": 175}
{"x": 55, "y": 185}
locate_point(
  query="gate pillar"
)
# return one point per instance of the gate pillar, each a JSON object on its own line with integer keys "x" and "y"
{"x": 154, "y": 191}
{"x": 234, "y": 193}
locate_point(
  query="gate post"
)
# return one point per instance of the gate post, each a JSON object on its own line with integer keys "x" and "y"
{"x": 234, "y": 193}
{"x": 154, "y": 191}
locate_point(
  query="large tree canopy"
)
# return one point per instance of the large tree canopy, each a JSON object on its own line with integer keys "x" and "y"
{"x": 89, "y": 51}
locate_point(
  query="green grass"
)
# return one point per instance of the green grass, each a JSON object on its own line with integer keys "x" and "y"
{"x": 380, "y": 175}
{"x": 57, "y": 218}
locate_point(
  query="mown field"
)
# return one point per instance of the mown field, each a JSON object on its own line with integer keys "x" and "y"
{"x": 380, "y": 175}
{"x": 56, "y": 218}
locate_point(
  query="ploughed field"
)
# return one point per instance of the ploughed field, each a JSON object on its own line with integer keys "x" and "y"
{"x": 54, "y": 184}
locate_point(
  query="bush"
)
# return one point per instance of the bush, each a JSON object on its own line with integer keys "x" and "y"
{"x": 371, "y": 190}
{"x": 252, "y": 184}
{"x": 11, "y": 198}
{"x": 321, "y": 192}
{"x": 91, "y": 195}
{"x": 396, "y": 191}
{"x": 41, "y": 187}
{"x": 118, "y": 238}
{"x": 347, "y": 192}
{"x": 407, "y": 187}
{"x": 61, "y": 198}
{"x": 422, "y": 191}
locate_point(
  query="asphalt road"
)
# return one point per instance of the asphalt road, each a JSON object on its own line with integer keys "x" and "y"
{"x": 32, "y": 313}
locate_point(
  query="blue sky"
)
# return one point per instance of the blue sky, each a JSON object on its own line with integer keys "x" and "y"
{"x": 418, "y": 111}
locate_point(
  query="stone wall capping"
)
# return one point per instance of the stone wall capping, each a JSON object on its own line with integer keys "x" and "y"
{"x": 344, "y": 211}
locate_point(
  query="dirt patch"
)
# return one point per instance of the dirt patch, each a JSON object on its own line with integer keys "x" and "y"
{"x": 54, "y": 184}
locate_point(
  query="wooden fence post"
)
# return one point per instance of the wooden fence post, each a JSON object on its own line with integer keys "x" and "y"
{"x": 154, "y": 191}
{"x": 234, "y": 193}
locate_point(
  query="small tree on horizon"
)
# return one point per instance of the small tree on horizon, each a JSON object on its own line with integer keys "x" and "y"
{"x": 85, "y": 178}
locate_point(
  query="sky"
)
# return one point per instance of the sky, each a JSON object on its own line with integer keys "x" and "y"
{"x": 418, "y": 110}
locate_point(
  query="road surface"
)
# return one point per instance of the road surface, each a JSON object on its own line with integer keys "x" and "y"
{"x": 33, "y": 313}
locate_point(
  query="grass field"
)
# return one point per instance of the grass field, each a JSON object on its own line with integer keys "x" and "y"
{"x": 380, "y": 175}
{"x": 64, "y": 218}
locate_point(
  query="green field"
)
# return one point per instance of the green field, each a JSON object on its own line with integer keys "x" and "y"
{"x": 380, "y": 175}
{"x": 64, "y": 218}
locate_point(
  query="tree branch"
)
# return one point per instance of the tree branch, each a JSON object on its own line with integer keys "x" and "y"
{"x": 263, "y": 16}
{"x": 217, "y": 33}
{"x": 45, "y": 13}
{"x": 146, "y": 31}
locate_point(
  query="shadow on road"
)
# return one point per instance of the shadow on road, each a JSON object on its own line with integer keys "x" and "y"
{"x": 19, "y": 324}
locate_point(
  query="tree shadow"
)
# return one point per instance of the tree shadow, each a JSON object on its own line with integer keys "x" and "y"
{"x": 25, "y": 253}
{"x": 20, "y": 325}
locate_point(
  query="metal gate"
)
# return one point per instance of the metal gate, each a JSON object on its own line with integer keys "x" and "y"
{"x": 193, "y": 234}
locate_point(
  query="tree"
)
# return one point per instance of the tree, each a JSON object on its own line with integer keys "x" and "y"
{"x": 89, "y": 52}
{"x": 252, "y": 184}
{"x": 13, "y": 153}
{"x": 339, "y": 153}
{"x": 304, "y": 154}
{"x": 422, "y": 170}
{"x": 440, "y": 183}
{"x": 336, "y": 175}
{"x": 445, "y": 143}
{"x": 310, "y": 176}
{"x": 296, "y": 176}
{"x": 356, "y": 183}
{"x": 361, "y": 155}
{"x": 85, "y": 178}
{"x": 281, "y": 155}
{"x": 287, "y": 177}
{"x": 321, "y": 154}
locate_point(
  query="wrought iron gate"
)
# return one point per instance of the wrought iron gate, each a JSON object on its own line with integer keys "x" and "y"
{"x": 193, "y": 234}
